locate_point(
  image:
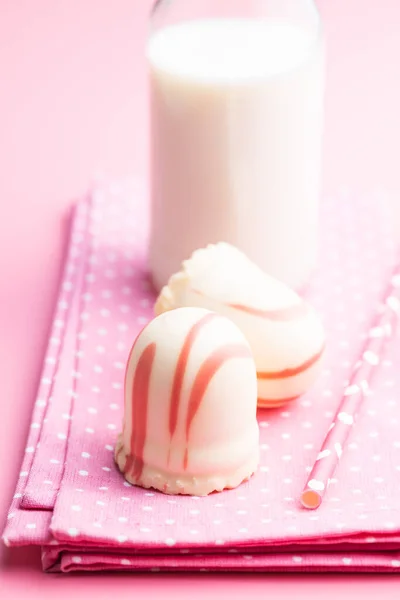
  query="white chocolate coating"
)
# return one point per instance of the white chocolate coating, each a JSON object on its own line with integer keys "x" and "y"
{"x": 190, "y": 422}
{"x": 285, "y": 334}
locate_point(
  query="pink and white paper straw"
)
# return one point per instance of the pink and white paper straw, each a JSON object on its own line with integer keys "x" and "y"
{"x": 330, "y": 453}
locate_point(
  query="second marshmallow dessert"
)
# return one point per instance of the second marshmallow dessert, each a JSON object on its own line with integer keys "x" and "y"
{"x": 284, "y": 332}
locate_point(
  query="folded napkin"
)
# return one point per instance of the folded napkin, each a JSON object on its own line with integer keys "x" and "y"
{"x": 71, "y": 498}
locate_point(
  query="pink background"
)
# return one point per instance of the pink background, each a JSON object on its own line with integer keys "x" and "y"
{"x": 72, "y": 104}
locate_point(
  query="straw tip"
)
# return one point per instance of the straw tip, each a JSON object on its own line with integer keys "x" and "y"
{"x": 311, "y": 499}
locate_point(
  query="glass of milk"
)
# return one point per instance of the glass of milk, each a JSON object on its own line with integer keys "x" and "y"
{"x": 236, "y": 89}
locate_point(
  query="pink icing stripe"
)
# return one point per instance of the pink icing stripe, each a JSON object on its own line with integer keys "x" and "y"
{"x": 291, "y": 372}
{"x": 181, "y": 368}
{"x": 205, "y": 374}
{"x": 140, "y": 390}
{"x": 291, "y": 313}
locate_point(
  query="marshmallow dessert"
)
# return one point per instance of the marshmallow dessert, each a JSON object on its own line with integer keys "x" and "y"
{"x": 284, "y": 332}
{"x": 190, "y": 422}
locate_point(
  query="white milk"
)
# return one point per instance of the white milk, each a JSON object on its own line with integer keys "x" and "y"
{"x": 236, "y": 116}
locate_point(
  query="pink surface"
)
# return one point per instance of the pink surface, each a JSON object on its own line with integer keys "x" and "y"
{"x": 73, "y": 104}
{"x": 72, "y": 500}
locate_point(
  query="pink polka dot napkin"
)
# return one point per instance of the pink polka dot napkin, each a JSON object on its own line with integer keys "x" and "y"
{"x": 72, "y": 500}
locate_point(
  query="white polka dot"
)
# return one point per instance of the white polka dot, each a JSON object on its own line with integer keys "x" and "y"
{"x": 395, "y": 563}
{"x": 297, "y": 559}
{"x": 122, "y": 519}
{"x": 73, "y": 532}
{"x": 100, "y": 503}
{"x": 287, "y": 457}
{"x": 104, "y": 312}
{"x": 106, "y": 469}
{"x": 114, "y": 406}
{"x": 145, "y": 530}
{"x": 306, "y": 424}
{"x": 31, "y": 526}
{"x": 98, "y": 369}
{"x": 194, "y": 512}
{"x": 109, "y": 447}
{"x": 61, "y": 436}
{"x": 125, "y": 561}
{"x": 170, "y": 542}
{"x": 54, "y": 461}
{"x": 89, "y": 430}
{"x": 103, "y": 488}
{"x": 121, "y": 538}
{"x": 285, "y": 414}
{"x": 47, "y": 482}
{"x": 119, "y": 365}
{"x": 285, "y": 436}
{"x": 147, "y": 508}
{"x": 83, "y": 473}
{"x": 30, "y": 449}
{"x": 263, "y": 424}
{"x": 111, "y": 426}
{"x": 241, "y": 512}
{"x": 346, "y": 560}
{"x": 306, "y": 403}
{"x": 170, "y": 521}
{"x": 76, "y": 507}
{"x": 106, "y": 294}
{"x": 35, "y": 425}
{"x": 243, "y": 530}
